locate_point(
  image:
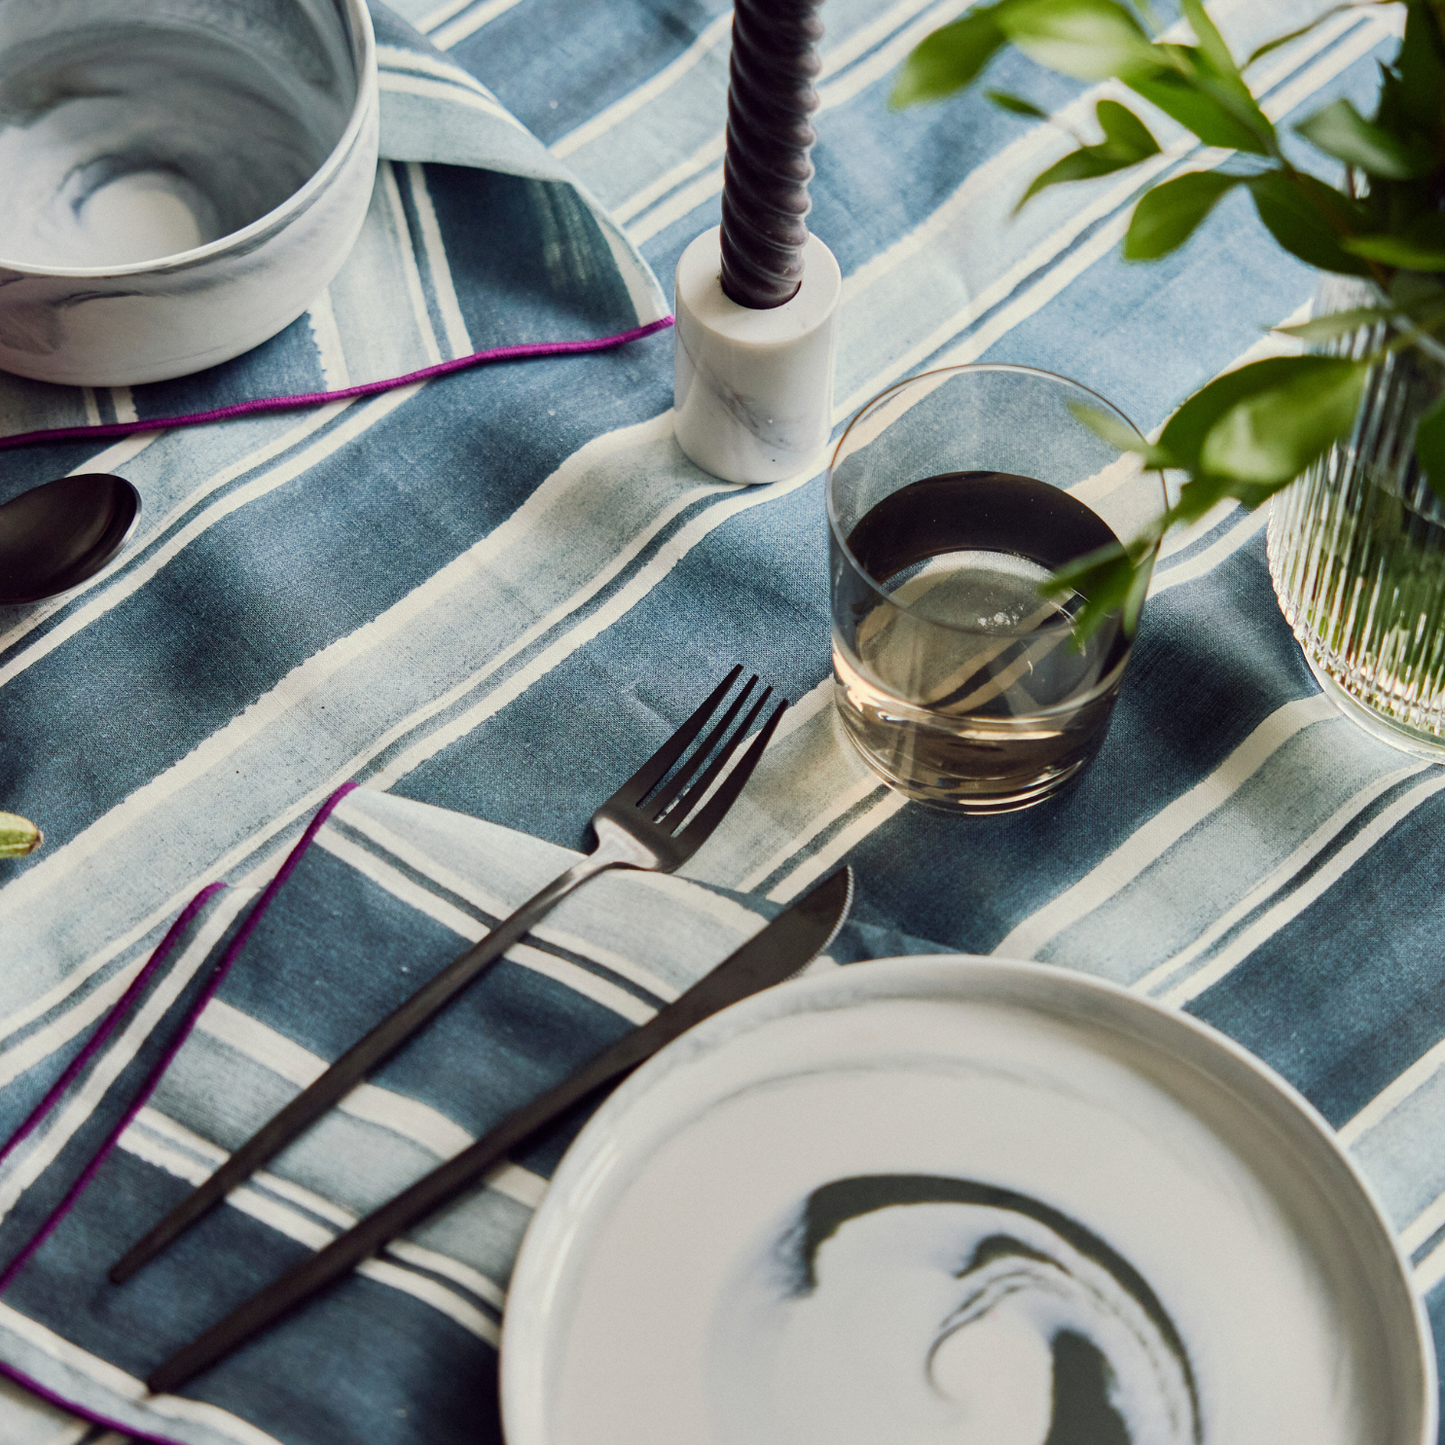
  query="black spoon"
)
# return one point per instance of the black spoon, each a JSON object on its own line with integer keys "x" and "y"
{"x": 59, "y": 534}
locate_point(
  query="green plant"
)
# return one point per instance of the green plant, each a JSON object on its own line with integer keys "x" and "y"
{"x": 18, "y": 836}
{"x": 1251, "y": 431}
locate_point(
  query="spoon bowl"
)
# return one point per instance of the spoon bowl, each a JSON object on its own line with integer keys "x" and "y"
{"x": 60, "y": 534}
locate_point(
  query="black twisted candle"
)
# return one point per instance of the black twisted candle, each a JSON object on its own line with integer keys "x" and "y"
{"x": 767, "y": 170}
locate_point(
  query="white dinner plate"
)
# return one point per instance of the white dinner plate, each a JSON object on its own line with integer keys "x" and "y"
{"x": 961, "y": 1200}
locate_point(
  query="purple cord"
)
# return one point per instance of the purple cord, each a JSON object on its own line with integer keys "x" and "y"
{"x": 179, "y": 1038}
{"x": 316, "y": 398}
{"x": 108, "y": 1023}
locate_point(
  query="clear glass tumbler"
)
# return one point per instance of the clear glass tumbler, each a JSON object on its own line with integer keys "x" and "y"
{"x": 951, "y": 498}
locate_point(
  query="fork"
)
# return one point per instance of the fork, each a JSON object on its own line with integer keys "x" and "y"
{"x": 652, "y": 822}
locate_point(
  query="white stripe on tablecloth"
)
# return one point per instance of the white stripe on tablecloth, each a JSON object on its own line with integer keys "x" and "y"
{"x": 435, "y": 1294}
{"x": 393, "y": 58}
{"x": 126, "y": 583}
{"x": 450, "y": 91}
{"x": 708, "y": 155}
{"x": 459, "y": 342}
{"x": 1390, "y": 1098}
{"x": 1430, "y": 1271}
{"x": 493, "y": 903}
{"x": 43, "y": 1042}
{"x": 1251, "y": 526}
{"x": 1276, "y": 879}
{"x": 411, "y": 273}
{"x": 711, "y": 35}
{"x": 1164, "y": 829}
{"x": 124, "y": 403}
{"x": 41, "y": 1149}
{"x": 512, "y": 1181}
{"x": 559, "y": 970}
{"x": 332, "y": 356}
{"x": 408, "y": 1118}
{"x": 1430, "y": 1220}
{"x": 1295, "y": 903}
{"x": 251, "y": 1200}
{"x": 127, "y": 1387}
{"x": 458, "y": 30}
{"x": 443, "y": 13}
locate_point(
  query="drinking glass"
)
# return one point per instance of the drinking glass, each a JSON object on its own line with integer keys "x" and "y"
{"x": 952, "y": 498}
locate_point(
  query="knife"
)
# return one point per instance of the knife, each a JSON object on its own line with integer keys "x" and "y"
{"x": 785, "y": 946}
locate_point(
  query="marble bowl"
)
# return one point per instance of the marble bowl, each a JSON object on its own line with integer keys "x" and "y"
{"x": 180, "y": 178}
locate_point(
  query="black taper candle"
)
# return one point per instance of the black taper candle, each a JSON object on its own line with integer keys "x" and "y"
{"x": 767, "y": 170}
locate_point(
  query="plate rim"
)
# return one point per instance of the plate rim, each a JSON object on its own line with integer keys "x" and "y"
{"x": 520, "y": 1366}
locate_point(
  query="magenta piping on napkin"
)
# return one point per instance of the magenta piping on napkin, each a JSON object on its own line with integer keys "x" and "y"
{"x": 126, "y": 1432}
{"x": 316, "y": 398}
{"x": 182, "y": 1033}
{"x": 108, "y": 1023}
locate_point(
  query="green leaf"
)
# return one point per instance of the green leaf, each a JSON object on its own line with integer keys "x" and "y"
{"x": 1339, "y": 323}
{"x": 1186, "y": 100}
{"x": 1420, "y": 66}
{"x": 1115, "y": 432}
{"x": 1219, "y": 75}
{"x": 1297, "y": 209}
{"x": 1339, "y": 130}
{"x": 1103, "y": 578}
{"x": 1124, "y": 133}
{"x": 948, "y": 59}
{"x": 1086, "y": 39}
{"x": 1015, "y": 103}
{"x": 1421, "y": 247}
{"x": 1430, "y": 447}
{"x": 1167, "y": 216}
{"x": 1182, "y": 439}
{"x": 1270, "y": 437}
{"x": 1211, "y": 42}
{"x": 1080, "y": 165}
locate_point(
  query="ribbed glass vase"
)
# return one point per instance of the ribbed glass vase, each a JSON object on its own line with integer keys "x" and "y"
{"x": 1357, "y": 551}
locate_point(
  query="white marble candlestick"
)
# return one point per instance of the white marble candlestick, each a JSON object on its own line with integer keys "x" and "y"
{"x": 753, "y": 389}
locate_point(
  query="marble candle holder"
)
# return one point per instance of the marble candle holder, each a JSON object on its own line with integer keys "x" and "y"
{"x": 753, "y": 389}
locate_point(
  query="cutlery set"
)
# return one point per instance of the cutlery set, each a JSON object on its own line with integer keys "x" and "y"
{"x": 654, "y": 822}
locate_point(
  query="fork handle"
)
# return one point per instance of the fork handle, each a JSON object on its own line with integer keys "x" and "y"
{"x": 364, "y": 1056}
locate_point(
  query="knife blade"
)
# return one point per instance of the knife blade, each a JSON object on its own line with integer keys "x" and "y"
{"x": 782, "y": 948}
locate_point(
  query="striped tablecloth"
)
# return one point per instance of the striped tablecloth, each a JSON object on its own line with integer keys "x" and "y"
{"x": 485, "y": 596}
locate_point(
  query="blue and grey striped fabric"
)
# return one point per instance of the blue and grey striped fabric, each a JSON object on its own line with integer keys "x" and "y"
{"x": 488, "y": 597}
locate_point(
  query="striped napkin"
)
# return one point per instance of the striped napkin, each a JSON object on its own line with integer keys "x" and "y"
{"x": 246, "y": 998}
{"x": 479, "y": 246}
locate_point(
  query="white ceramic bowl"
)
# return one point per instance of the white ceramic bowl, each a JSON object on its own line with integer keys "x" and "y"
{"x": 181, "y": 178}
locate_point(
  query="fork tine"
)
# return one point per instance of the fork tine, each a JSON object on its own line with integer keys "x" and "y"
{"x": 698, "y": 791}
{"x": 662, "y": 800}
{"x": 655, "y": 768}
{"x": 697, "y": 832}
